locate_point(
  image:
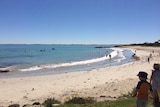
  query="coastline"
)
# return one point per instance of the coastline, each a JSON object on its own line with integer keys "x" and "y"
{"x": 119, "y": 56}
{"x": 111, "y": 82}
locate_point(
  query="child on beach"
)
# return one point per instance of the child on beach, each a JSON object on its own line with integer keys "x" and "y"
{"x": 155, "y": 81}
{"x": 142, "y": 89}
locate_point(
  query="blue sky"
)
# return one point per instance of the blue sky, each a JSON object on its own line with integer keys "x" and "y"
{"x": 79, "y": 21}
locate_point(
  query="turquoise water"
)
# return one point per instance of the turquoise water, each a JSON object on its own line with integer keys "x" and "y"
{"x": 52, "y": 59}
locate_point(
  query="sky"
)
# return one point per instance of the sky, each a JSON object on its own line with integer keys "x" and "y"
{"x": 79, "y": 21}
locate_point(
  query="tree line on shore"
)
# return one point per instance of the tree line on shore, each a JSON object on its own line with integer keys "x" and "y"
{"x": 155, "y": 44}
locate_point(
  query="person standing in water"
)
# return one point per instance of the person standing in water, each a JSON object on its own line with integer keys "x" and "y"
{"x": 109, "y": 56}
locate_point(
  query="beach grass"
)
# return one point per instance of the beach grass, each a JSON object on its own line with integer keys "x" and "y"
{"x": 125, "y": 101}
{"x": 129, "y": 102}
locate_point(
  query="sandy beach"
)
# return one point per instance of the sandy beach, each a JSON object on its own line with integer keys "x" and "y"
{"x": 110, "y": 82}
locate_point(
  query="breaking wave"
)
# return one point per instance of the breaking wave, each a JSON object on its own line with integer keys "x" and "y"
{"x": 116, "y": 52}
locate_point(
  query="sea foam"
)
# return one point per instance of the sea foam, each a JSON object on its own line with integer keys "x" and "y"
{"x": 114, "y": 53}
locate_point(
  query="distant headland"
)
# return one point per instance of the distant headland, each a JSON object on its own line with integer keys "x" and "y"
{"x": 155, "y": 44}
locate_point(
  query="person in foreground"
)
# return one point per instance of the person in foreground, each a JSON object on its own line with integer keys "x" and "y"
{"x": 142, "y": 89}
{"x": 155, "y": 81}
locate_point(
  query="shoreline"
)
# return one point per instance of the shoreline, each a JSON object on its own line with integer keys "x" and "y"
{"x": 108, "y": 82}
{"x": 119, "y": 57}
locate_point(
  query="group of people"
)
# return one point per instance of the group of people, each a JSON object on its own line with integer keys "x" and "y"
{"x": 143, "y": 87}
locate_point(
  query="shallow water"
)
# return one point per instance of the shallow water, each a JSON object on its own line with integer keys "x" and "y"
{"x": 33, "y": 60}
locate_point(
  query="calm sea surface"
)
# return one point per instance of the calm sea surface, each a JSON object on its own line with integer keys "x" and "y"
{"x": 32, "y": 60}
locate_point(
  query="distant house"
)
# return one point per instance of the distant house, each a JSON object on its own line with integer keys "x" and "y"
{"x": 157, "y": 41}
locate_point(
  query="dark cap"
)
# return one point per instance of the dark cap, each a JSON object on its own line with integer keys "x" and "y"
{"x": 142, "y": 74}
{"x": 156, "y": 66}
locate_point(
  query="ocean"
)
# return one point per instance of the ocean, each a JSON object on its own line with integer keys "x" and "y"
{"x": 37, "y": 59}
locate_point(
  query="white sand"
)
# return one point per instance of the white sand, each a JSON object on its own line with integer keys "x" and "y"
{"x": 110, "y": 82}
